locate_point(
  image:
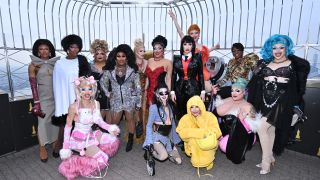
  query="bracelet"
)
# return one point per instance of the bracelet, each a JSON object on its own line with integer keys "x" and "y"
{"x": 36, "y": 101}
{"x": 203, "y": 92}
{"x": 172, "y": 93}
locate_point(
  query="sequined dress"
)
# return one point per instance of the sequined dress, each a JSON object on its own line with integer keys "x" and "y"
{"x": 152, "y": 76}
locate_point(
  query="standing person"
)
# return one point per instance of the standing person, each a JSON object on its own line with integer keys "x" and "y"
{"x": 157, "y": 65}
{"x": 40, "y": 71}
{"x": 94, "y": 147}
{"x": 187, "y": 75}
{"x": 125, "y": 96}
{"x": 99, "y": 49}
{"x": 276, "y": 87}
{"x": 238, "y": 67}
{"x": 161, "y": 137}
{"x": 195, "y": 128}
{"x": 194, "y": 32}
{"x": 139, "y": 52}
{"x": 65, "y": 71}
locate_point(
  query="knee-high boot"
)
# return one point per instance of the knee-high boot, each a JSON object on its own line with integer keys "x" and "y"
{"x": 130, "y": 142}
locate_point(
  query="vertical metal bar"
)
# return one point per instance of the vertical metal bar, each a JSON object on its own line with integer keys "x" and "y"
{"x": 161, "y": 16}
{"x": 142, "y": 30}
{"x": 111, "y": 26}
{"x": 189, "y": 11}
{"x": 100, "y": 22}
{"x": 271, "y": 17}
{"x": 154, "y": 22}
{"x": 136, "y": 19}
{"x": 52, "y": 23}
{"x": 37, "y": 14}
{"x": 240, "y": 21}
{"x": 78, "y": 17}
{"x": 22, "y": 37}
{"x": 219, "y": 20}
{"x": 185, "y": 13}
{"x": 280, "y": 16}
{"x": 308, "y": 35}
{"x": 105, "y": 23}
{"x": 118, "y": 26}
{"x": 232, "y": 27}
{"x": 130, "y": 38}
{"x": 14, "y": 44}
{"x": 44, "y": 18}
{"x": 201, "y": 10}
{"x": 299, "y": 22}
{"x": 262, "y": 27}
{"x": 29, "y": 23}
{"x": 254, "y": 26}
{"x": 226, "y": 24}
{"x": 195, "y": 10}
{"x": 207, "y": 23}
{"x": 290, "y": 18}
{"x": 214, "y": 21}
{"x": 84, "y": 27}
{"x": 247, "y": 23}
{"x": 59, "y": 19}
{"x": 72, "y": 17}
{"x": 66, "y": 16}
{"x": 124, "y": 34}
{"x": 94, "y": 23}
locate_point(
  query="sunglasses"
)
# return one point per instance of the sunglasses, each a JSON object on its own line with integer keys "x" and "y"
{"x": 163, "y": 93}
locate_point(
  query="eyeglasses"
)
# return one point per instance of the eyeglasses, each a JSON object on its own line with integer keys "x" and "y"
{"x": 280, "y": 47}
{"x": 163, "y": 93}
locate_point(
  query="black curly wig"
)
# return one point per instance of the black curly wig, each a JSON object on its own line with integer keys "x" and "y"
{"x": 37, "y": 43}
{"x": 126, "y": 49}
{"x": 188, "y": 39}
{"x": 71, "y": 39}
{"x": 160, "y": 40}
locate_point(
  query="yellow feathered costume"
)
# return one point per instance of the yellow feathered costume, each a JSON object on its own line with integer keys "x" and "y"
{"x": 191, "y": 128}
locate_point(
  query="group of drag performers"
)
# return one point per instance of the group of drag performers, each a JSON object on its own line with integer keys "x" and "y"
{"x": 80, "y": 105}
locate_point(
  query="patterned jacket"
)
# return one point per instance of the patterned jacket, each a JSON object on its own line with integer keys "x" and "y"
{"x": 122, "y": 97}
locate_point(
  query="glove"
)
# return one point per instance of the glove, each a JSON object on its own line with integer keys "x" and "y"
{"x": 36, "y": 110}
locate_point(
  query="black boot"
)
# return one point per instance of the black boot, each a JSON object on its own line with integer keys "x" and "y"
{"x": 130, "y": 142}
{"x": 149, "y": 160}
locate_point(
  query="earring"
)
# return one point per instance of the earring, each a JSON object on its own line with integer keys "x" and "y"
{"x": 67, "y": 51}
{"x": 49, "y": 54}
{"x": 39, "y": 55}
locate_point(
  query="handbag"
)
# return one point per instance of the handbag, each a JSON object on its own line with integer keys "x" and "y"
{"x": 207, "y": 143}
{"x": 139, "y": 129}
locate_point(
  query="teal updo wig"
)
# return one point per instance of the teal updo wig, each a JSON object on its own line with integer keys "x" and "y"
{"x": 240, "y": 83}
{"x": 266, "y": 50}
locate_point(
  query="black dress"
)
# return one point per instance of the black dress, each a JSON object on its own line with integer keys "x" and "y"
{"x": 276, "y": 100}
{"x": 187, "y": 87}
{"x": 100, "y": 95}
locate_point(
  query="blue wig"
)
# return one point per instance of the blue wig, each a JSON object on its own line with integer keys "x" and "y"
{"x": 266, "y": 50}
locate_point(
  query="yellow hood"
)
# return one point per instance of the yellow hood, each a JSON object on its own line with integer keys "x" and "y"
{"x": 195, "y": 101}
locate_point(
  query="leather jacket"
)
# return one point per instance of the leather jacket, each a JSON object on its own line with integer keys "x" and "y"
{"x": 194, "y": 83}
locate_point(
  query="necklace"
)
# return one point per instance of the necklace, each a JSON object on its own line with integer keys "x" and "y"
{"x": 279, "y": 62}
{"x": 120, "y": 71}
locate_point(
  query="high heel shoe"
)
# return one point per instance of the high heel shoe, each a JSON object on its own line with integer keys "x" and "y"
{"x": 263, "y": 172}
{"x": 43, "y": 154}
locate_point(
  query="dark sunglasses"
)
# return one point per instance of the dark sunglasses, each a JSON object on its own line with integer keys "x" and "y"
{"x": 163, "y": 93}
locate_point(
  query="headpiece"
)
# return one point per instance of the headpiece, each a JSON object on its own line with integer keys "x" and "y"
{"x": 266, "y": 50}
{"x": 71, "y": 39}
{"x": 85, "y": 81}
{"x": 240, "y": 83}
{"x": 37, "y": 43}
{"x": 98, "y": 44}
{"x": 160, "y": 40}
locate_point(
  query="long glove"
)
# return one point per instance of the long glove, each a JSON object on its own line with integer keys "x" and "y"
{"x": 36, "y": 110}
